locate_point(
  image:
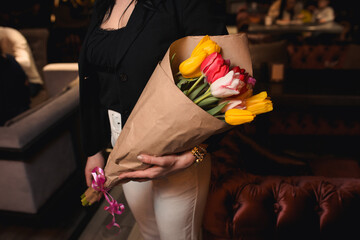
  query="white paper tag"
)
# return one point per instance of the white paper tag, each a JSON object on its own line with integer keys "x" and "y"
{"x": 115, "y": 125}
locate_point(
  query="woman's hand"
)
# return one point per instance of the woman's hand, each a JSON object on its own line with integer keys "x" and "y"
{"x": 160, "y": 167}
{"x": 96, "y": 160}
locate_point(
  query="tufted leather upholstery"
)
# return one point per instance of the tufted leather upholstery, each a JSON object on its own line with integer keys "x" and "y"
{"x": 247, "y": 203}
{"x": 306, "y": 55}
{"x": 305, "y": 123}
{"x": 246, "y": 206}
{"x": 320, "y": 56}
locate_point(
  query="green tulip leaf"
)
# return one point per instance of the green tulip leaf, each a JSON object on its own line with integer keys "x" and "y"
{"x": 197, "y": 90}
{"x": 218, "y": 108}
{"x": 181, "y": 82}
{"x": 208, "y": 101}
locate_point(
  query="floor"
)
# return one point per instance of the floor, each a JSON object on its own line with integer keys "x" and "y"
{"x": 96, "y": 228}
{"x": 69, "y": 220}
{"x": 62, "y": 217}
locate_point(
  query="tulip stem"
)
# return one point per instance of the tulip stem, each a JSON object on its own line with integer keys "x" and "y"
{"x": 208, "y": 90}
{"x": 194, "y": 85}
{"x": 205, "y": 95}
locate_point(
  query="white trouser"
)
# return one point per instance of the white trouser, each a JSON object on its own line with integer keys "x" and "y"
{"x": 171, "y": 208}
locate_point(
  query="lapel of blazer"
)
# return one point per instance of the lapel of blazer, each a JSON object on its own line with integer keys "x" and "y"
{"x": 141, "y": 14}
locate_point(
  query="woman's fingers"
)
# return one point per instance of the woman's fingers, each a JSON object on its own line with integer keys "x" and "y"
{"x": 88, "y": 179}
{"x": 147, "y": 174}
{"x": 165, "y": 161}
{"x": 159, "y": 166}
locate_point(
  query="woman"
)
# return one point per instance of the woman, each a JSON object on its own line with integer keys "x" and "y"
{"x": 125, "y": 41}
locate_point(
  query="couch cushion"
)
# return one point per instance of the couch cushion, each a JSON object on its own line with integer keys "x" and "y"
{"x": 58, "y": 75}
{"x": 23, "y": 129}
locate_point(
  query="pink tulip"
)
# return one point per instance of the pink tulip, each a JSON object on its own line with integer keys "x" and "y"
{"x": 237, "y": 101}
{"x": 238, "y": 104}
{"x": 226, "y": 86}
{"x": 214, "y": 67}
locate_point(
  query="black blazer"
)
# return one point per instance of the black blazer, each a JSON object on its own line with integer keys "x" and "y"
{"x": 152, "y": 27}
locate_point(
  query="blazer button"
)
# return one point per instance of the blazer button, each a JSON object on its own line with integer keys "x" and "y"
{"x": 123, "y": 77}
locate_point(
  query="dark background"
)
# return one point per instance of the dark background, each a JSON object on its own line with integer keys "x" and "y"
{"x": 68, "y": 21}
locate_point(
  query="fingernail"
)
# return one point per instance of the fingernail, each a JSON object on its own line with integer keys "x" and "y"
{"x": 140, "y": 157}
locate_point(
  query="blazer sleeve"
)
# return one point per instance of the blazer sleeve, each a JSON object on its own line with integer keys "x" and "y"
{"x": 199, "y": 18}
{"x": 94, "y": 124}
{"x": 95, "y": 130}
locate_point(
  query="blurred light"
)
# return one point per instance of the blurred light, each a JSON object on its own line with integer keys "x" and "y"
{"x": 52, "y": 18}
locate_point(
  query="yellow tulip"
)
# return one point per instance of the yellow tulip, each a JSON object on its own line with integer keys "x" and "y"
{"x": 190, "y": 68}
{"x": 259, "y": 103}
{"x": 238, "y": 116}
{"x": 198, "y": 47}
{"x": 211, "y": 47}
{"x": 207, "y": 45}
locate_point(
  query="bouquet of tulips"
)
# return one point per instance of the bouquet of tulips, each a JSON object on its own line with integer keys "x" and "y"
{"x": 227, "y": 92}
{"x": 192, "y": 94}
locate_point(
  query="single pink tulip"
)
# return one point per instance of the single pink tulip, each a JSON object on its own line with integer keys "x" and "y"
{"x": 226, "y": 86}
{"x": 237, "y": 101}
{"x": 214, "y": 67}
{"x": 238, "y": 104}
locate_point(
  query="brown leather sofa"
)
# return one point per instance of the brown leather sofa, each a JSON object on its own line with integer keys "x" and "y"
{"x": 256, "y": 193}
{"x": 324, "y": 56}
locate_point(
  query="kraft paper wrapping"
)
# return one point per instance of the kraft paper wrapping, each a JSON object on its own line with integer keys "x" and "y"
{"x": 164, "y": 120}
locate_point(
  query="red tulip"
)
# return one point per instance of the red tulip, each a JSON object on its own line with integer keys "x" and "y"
{"x": 236, "y": 69}
{"x": 249, "y": 84}
{"x": 214, "y": 67}
{"x": 248, "y": 81}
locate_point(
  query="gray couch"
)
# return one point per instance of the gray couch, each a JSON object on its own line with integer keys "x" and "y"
{"x": 38, "y": 148}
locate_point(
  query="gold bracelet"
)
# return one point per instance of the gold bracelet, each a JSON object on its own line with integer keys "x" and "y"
{"x": 199, "y": 153}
